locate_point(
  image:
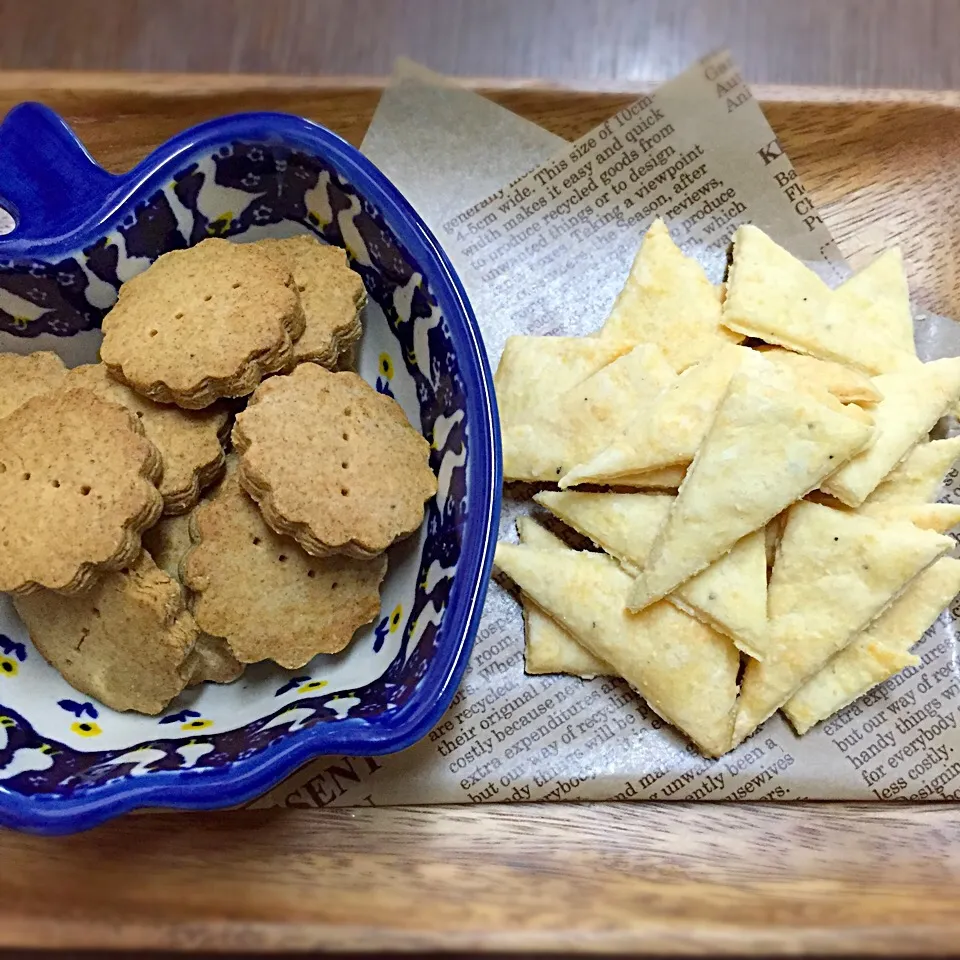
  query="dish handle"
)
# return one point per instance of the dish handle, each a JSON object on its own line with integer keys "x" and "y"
{"x": 49, "y": 184}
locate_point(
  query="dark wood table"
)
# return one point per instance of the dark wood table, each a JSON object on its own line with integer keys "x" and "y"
{"x": 874, "y": 43}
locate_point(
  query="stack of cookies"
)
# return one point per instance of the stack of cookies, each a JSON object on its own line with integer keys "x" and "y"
{"x": 142, "y": 556}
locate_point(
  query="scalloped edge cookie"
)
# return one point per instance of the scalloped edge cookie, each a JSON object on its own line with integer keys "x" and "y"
{"x": 203, "y": 323}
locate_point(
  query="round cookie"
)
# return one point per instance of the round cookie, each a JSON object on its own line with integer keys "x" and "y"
{"x": 331, "y": 293}
{"x": 128, "y": 641}
{"x": 333, "y": 463}
{"x": 23, "y": 377}
{"x": 203, "y": 323}
{"x": 168, "y": 542}
{"x": 77, "y": 487}
{"x": 189, "y": 441}
{"x": 260, "y": 591}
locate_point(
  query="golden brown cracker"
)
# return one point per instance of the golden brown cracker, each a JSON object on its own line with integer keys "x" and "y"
{"x": 919, "y": 476}
{"x": 214, "y": 661}
{"x": 23, "y": 377}
{"x": 333, "y": 463}
{"x": 263, "y": 594}
{"x": 773, "y": 296}
{"x": 77, "y": 487}
{"x": 189, "y": 441}
{"x": 685, "y": 670}
{"x": 549, "y": 647}
{"x": 332, "y": 296}
{"x": 668, "y": 300}
{"x": 880, "y": 651}
{"x": 835, "y": 573}
{"x": 168, "y": 542}
{"x": 844, "y": 382}
{"x": 128, "y": 641}
{"x": 769, "y": 445}
{"x": 203, "y": 323}
{"x": 913, "y": 400}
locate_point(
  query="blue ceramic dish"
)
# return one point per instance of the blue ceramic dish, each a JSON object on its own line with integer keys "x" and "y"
{"x": 67, "y": 763}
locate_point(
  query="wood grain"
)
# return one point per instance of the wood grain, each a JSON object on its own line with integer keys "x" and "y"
{"x": 645, "y": 878}
{"x": 648, "y": 879}
{"x": 892, "y": 43}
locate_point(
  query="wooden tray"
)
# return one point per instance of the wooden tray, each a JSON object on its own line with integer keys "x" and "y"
{"x": 643, "y": 878}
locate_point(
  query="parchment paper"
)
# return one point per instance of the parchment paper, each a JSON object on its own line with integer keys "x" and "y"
{"x": 547, "y": 254}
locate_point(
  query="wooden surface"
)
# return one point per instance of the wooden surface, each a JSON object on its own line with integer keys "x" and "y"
{"x": 645, "y": 878}
{"x": 891, "y": 43}
{"x": 650, "y": 879}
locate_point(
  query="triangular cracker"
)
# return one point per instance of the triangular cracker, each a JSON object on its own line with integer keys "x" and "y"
{"x": 835, "y": 572}
{"x": 879, "y": 297}
{"x": 730, "y": 595}
{"x": 671, "y": 430}
{"x": 548, "y": 648}
{"x": 769, "y": 445}
{"x": 584, "y": 419}
{"x": 880, "y": 651}
{"x": 665, "y": 478}
{"x": 536, "y": 370}
{"x": 845, "y": 383}
{"x": 623, "y": 524}
{"x": 668, "y": 300}
{"x": 918, "y": 478}
{"x": 939, "y": 517}
{"x": 686, "y": 671}
{"x": 913, "y": 401}
{"x": 773, "y": 296}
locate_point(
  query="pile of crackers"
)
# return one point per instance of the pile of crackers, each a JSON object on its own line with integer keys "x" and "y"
{"x": 754, "y": 462}
{"x": 142, "y": 556}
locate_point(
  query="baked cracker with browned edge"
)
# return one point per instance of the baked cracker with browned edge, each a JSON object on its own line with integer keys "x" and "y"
{"x": 333, "y": 463}
{"x": 23, "y": 377}
{"x": 77, "y": 487}
{"x": 263, "y": 594}
{"x": 332, "y": 296}
{"x": 189, "y": 441}
{"x": 128, "y": 641}
{"x": 168, "y": 542}
{"x": 203, "y": 323}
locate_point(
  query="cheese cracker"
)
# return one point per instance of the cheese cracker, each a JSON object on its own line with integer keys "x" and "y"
{"x": 835, "y": 572}
{"x": 548, "y": 647}
{"x": 730, "y": 594}
{"x": 584, "y": 419}
{"x": 913, "y": 401}
{"x": 534, "y": 371}
{"x": 939, "y": 517}
{"x": 769, "y": 445}
{"x": 879, "y": 299}
{"x": 844, "y": 382}
{"x": 686, "y": 671}
{"x": 918, "y": 477}
{"x": 773, "y": 296}
{"x": 671, "y": 430}
{"x": 668, "y": 300}
{"x": 880, "y": 651}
